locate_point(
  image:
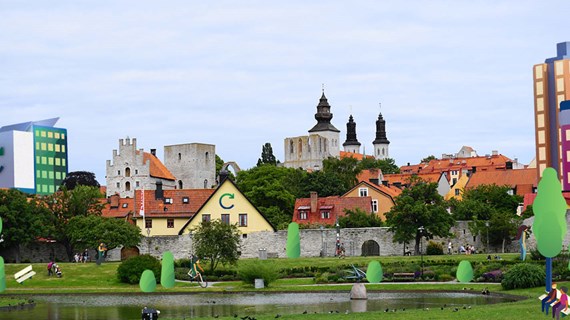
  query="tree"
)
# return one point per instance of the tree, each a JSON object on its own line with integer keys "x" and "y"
{"x": 89, "y": 231}
{"x": 358, "y": 218}
{"x": 83, "y": 178}
{"x": 217, "y": 241}
{"x": 419, "y": 206}
{"x": 23, "y": 219}
{"x": 428, "y": 159}
{"x": 345, "y": 169}
{"x": 387, "y": 166}
{"x": 66, "y": 204}
{"x": 324, "y": 183}
{"x": 267, "y": 156}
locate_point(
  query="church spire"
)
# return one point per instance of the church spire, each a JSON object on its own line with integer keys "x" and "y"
{"x": 351, "y": 144}
{"x": 323, "y": 116}
{"x": 381, "y": 131}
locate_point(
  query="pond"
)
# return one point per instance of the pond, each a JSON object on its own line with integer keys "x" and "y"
{"x": 90, "y": 306}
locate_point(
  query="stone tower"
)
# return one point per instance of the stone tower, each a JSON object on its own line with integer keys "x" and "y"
{"x": 325, "y": 128}
{"x": 193, "y": 165}
{"x": 351, "y": 144}
{"x": 381, "y": 143}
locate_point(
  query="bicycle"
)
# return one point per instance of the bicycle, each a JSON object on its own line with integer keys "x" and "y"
{"x": 198, "y": 278}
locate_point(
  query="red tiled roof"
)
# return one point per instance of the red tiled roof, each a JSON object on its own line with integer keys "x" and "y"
{"x": 157, "y": 169}
{"x": 357, "y": 156}
{"x": 369, "y": 174}
{"x": 335, "y": 205}
{"x": 178, "y": 208}
{"x": 117, "y": 207}
{"x": 524, "y": 180}
{"x": 482, "y": 163}
{"x": 403, "y": 178}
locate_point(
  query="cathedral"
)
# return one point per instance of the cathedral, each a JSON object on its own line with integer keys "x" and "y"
{"x": 308, "y": 152}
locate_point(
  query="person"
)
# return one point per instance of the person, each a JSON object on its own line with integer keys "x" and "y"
{"x": 57, "y": 271}
{"x": 85, "y": 256}
{"x": 101, "y": 250}
{"x": 194, "y": 266}
{"x": 77, "y": 257}
{"x": 449, "y": 248}
{"x": 562, "y": 304}
{"x": 549, "y": 299}
{"x": 49, "y": 268}
{"x": 462, "y": 249}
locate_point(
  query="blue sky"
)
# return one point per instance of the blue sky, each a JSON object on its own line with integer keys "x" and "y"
{"x": 238, "y": 74}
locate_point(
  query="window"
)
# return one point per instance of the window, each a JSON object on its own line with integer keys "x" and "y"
{"x": 127, "y": 186}
{"x": 127, "y": 172}
{"x": 170, "y": 223}
{"x": 225, "y": 218}
{"x": 136, "y": 171}
{"x": 457, "y": 192}
{"x": 363, "y": 192}
{"x": 57, "y": 148}
{"x": 138, "y": 184}
{"x": 302, "y": 215}
{"x": 207, "y": 156}
{"x": 454, "y": 181}
{"x": 185, "y": 200}
{"x": 180, "y": 184}
{"x": 125, "y": 205}
{"x": 118, "y": 172}
{"x": 168, "y": 200}
{"x": 510, "y": 192}
{"x": 206, "y": 217}
{"x": 325, "y": 214}
{"x": 374, "y": 205}
{"x": 243, "y": 219}
{"x": 179, "y": 156}
{"x": 118, "y": 184}
{"x": 244, "y": 236}
{"x": 148, "y": 223}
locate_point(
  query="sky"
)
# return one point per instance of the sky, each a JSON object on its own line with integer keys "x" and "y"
{"x": 238, "y": 74}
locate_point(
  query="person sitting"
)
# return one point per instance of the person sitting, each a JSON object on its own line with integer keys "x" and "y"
{"x": 462, "y": 249}
{"x": 58, "y": 271}
{"x": 549, "y": 299}
{"x": 562, "y": 304}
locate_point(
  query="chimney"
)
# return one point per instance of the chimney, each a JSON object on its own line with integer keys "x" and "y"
{"x": 408, "y": 164}
{"x": 153, "y": 152}
{"x": 495, "y": 153}
{"x": 509, "y": 165}
{"x": 223, "y": 175}
{"x": 158, "y": 193}
{"x": 314, "y": 198}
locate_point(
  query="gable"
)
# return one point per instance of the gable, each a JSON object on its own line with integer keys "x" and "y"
{"x": 229, "y": 200}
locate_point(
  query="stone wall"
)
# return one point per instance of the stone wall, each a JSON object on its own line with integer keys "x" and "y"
{"x": 274, "y": 243}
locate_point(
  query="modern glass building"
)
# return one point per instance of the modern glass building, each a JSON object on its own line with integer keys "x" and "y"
{"x": 33, "y": 157}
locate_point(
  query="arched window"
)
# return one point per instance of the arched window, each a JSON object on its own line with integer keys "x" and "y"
{"x": 207, "y": 156}
{"x": 205, "y": 183}
{"x": 180, "y": 184}
{"x": 127, "y": 172}
{"x": 383, "y": 151}
{"x": 291, "y": 146}
{"x": 127, "y": 186}
{"x": 179, "y": 156}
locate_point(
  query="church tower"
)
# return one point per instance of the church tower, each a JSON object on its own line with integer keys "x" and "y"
{"x": 381, "y": 143}
{"x": 351, "y": 144}
{"x": 326, "y": 129}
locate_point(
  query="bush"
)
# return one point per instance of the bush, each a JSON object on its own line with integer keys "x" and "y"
{"x": 523, "y": 275}
{"x": 434, "y": 249}
{"x": 130, "y": 270}
{"x": 258, "y": 270}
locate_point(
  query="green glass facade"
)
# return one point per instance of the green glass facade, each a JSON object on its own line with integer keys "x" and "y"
{"x": 50, "y": 152}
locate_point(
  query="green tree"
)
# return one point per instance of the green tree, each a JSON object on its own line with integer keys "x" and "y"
{"x": 267, "y": 156}
{"x": 90, "y": 230}
{"x": 387, "y": 166}
{"x": 23, "y": 219}
{"x": 266, "y": 187}
{"x": 324, "y": 183}
{"x": 83, "y": 178}
{"x": 217, "y": 241}
{"x": 66, "y": 204}
{"x": 417, "y": 206}
{"x": 358, "y": 218}
{"x": 345, "y": 169}
{"x": 428, "y": 159}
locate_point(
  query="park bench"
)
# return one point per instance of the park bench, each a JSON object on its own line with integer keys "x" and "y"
{"x": 24, "y": 274}
{"x": 567, "y": 312}
{"x": 404, "y": 276}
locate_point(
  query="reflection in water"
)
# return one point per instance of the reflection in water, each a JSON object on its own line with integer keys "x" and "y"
{"x": 211, "y": 305}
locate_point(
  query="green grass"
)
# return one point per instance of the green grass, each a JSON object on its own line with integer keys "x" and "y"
{"x": 90, "y": 278}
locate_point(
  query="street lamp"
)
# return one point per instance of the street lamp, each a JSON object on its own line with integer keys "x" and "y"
{"x": 487, "y": 225}
{"x": 322, "y": 242}
{"x": 421, "y": 232}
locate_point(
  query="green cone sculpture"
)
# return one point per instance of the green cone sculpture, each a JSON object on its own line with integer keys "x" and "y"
{"x": 293, "y": 241}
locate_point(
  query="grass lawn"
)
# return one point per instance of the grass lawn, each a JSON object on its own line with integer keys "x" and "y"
{"x": 90, "y": 278}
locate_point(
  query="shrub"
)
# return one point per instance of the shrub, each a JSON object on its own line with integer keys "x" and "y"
{"x": 434, "y": 248}
{"x": 258, "y": 270}
{"x": 130, "y": 270}
{"x": 523, "y": 275}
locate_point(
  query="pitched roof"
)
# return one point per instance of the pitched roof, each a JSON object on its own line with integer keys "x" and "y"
{"x": 357, "y": 156}
{"x": 369, "y": 174}
{"x": 403, "y": 178}
{"x": 482, "y": 163}
{"x": 391, "y": 192}
{"x": 335, "y": 205}
{"x": 178, "y": 206}
{"x": 117, "y": 207}
{"x": 157, "y": 169}
{"x": 523, "y": 179}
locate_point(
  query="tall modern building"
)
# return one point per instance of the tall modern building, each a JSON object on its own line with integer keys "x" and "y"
{"x": 33, "y": 156}
{"x": 551, "y": 87}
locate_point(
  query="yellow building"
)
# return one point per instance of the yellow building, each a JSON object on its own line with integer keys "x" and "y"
{"x": 382, "y": 197}
{"x": 457, "y": 189}
{"x": 229, "y": 204}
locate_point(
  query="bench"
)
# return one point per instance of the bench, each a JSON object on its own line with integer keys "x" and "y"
{"x": 24, "y": 274}
{"x": 567, "y": 312}
{"x": 406, "y": 276}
